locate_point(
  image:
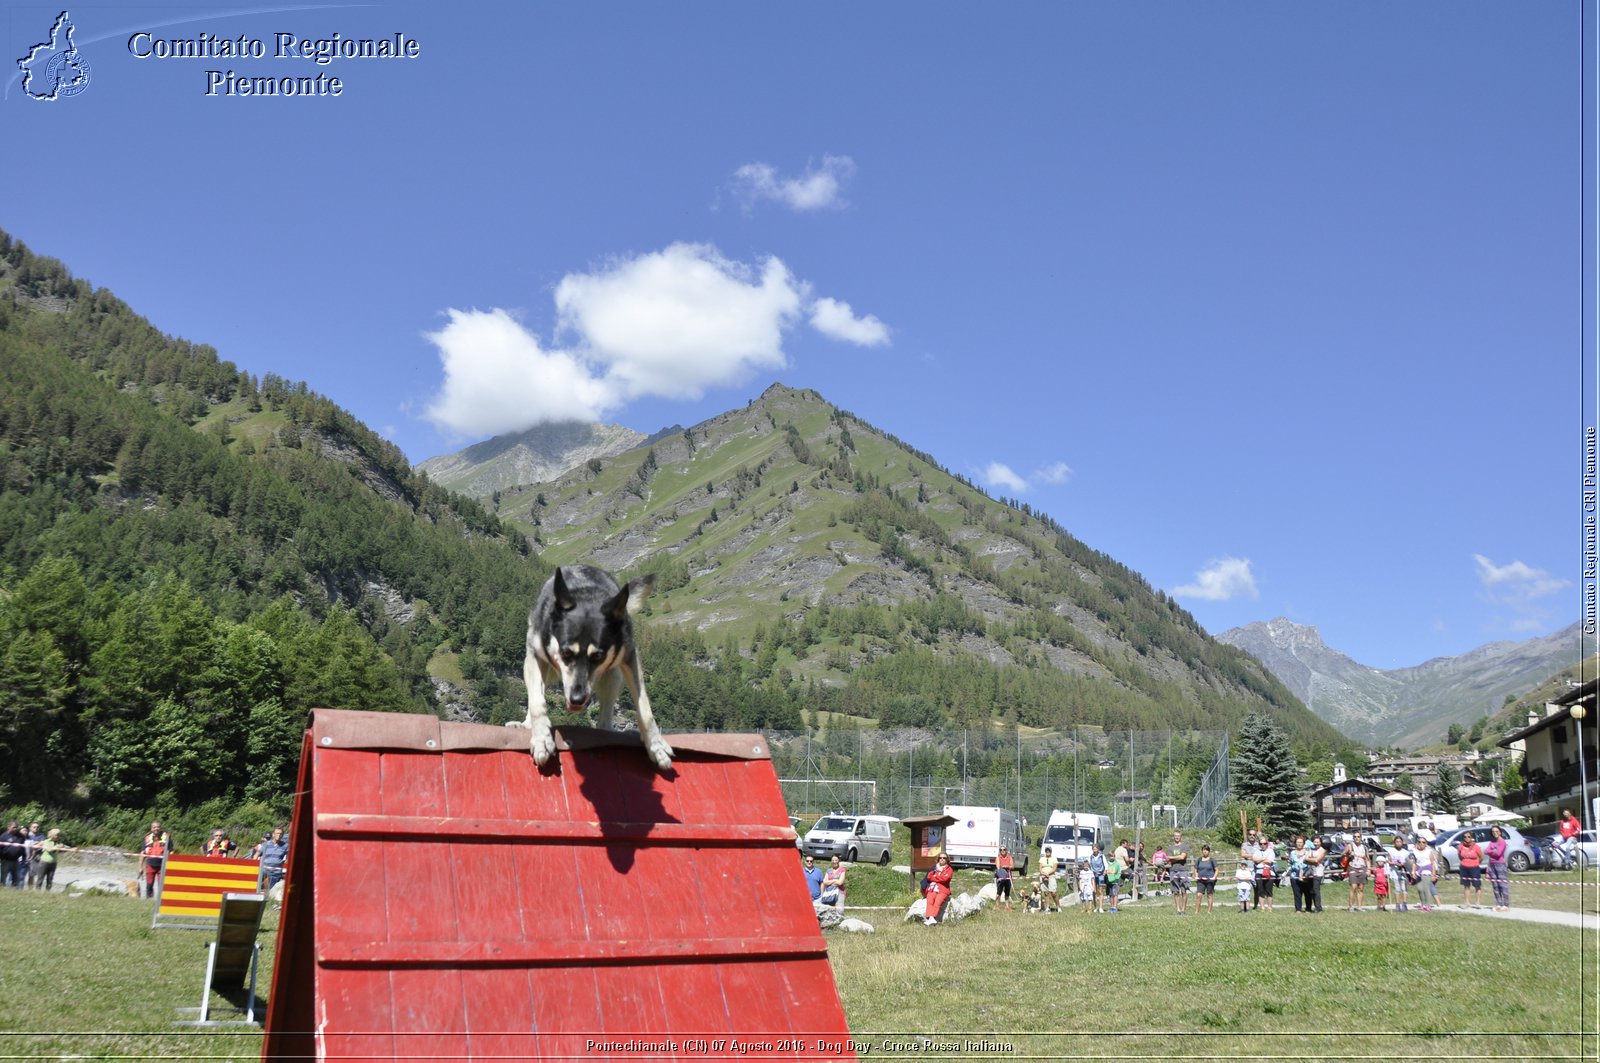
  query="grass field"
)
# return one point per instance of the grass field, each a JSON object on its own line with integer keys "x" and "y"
{"x": 86, "y": 978}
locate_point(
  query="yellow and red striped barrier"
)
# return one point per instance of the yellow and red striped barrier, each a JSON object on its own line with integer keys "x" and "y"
{"x": 191, "y": 888}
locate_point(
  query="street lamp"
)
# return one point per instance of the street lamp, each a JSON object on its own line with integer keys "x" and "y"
{"x": 1578, "y": 713}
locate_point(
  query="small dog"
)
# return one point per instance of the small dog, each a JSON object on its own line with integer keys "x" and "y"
{"x": 579, "y": 629}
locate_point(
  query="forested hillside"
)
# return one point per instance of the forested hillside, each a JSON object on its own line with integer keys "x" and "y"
{"x": 173, "y": 598}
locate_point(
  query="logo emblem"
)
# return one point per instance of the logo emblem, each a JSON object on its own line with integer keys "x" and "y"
{"x": 55, "y": 69}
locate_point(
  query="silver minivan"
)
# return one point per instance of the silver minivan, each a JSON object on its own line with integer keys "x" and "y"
{"x": 850, "y": 838}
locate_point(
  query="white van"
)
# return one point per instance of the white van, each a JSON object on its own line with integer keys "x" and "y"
{"x": 850, "y": 837}
{"x": 1072, "y": 836}
{"x": 975, "y": 838}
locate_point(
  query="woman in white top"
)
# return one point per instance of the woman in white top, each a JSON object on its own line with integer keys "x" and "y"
{"x": 1427, "y": 893}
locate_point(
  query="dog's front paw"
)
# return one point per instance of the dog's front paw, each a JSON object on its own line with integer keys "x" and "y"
{"x": 543, "y": 744}
{"x": 659, "y": 752}
{"x": 516, "y": 723}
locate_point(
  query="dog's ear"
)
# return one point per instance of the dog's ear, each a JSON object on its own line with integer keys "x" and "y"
{"x": 618, "y": 607}
{"x": 639, "y": 590}
{"x": 564, "y": 599}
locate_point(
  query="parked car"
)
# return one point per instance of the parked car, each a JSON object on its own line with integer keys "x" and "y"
{"x": 1519, "y": 854}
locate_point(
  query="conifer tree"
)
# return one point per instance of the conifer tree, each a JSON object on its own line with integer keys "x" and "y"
{"x": 1266, "y": 775}
{"x": 1445, "y": 793}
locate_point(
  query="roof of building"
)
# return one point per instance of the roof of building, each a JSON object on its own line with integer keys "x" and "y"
{"x": 1584, "y": 694}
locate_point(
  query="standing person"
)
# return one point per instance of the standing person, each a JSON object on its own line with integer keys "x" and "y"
{"x": 1086, "y": 892}
{"x": 49, "y": 852}
{"x": 1251, "y": 849}
{"x": 1178, "y": 872}
{"x": 1427, "y": 875}
{"x": 1569, "y": 836}
{"x": 274, "y": 858}
{"x": 12, "y": 844}
{"x": 30, "y": 856}
{"x": 157, "y": 844}
{"x": 1499, "y": 881}
{"x": 1002, "y": 878}
{"x": 1357, "y": 854}
{"x": 1316, "y": 868}
{"x": 1244, "y": 877}
{"x": 1470, "y": 854}
{"x": 1266, "y": 869}
{"x": 1097, "y": 868}
{"x": 1399, "y": 874}
{"x": 833, "y": 884}
{"x": 1205, "y": 878}
{"x": 1297, "y": 871}
{"x": 220, "y": 847}
{"x": 1380, "y": 881}
{"x": 938, "y": 889}
{"x": 813, "y": 875}
{"x": 1116, "y": 867}
{"x": 1047, "y": 881}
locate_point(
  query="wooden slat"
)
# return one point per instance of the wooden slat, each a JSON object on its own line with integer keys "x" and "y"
{"x": 449, "y": 828}
{"x": 555, "y": 953}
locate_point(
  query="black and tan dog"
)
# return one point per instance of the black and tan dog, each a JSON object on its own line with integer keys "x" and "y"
{"x": 580, "y": 630}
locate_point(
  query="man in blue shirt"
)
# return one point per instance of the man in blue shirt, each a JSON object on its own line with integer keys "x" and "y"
{"x": 813, "y": 878}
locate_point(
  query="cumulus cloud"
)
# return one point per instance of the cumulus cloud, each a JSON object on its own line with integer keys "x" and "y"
{"x": 1220, "y": 581}
{"x": 1516, "y": 581}
{"x": 675, "y": 322}
{"x": 1517, "y": 589}
{"x": 1057, "y": 473}
{"x": 819, "y": 188}
{"x": 497, "y": 378}
{"x": 835, "y": 319}
{"x": 669, "y": 324}
{"x": 998, "y": 474}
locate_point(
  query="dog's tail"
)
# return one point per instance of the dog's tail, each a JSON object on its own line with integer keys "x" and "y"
{"x": 638, "y": 590}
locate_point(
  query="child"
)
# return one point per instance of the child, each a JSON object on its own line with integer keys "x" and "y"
{"x": 1399, "y": 884}
{"x": 1380, "y": 881}
{"x": 1085, "y": 887}
{"x": 1034, "y": 903}
{"x": 1205, "y": 877}
{"x": 1245, "y": 879}
{"x": 1158, "y": 862}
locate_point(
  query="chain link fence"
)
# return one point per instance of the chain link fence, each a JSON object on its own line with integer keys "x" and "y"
{"x": 1162, "y": 777}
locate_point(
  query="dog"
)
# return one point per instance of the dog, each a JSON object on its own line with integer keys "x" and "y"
{"x": 580, "y": 630}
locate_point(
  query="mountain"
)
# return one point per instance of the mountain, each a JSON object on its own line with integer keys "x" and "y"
{"x": 535, "y": 456}
{"x": 1401, "y": 706}
{"x": 192, "y": 555}
{"x": 836, "y": 557}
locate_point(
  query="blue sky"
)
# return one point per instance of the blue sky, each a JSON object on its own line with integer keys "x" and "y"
{"x": 1277, "y": 303}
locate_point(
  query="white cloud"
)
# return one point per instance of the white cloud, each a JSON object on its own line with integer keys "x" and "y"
{"x": 670, "y": 324}
{"x": 997, "y": 474}
{"x": 1057, "y": 473}
{"x": 1221, "y": 580}
{"x": 675, "y": 322}
{"x": 835, "y": 319}
{"x": 1516, "y": 582}
{"x": 498, "y": 379}
{"x": 816, "y": 189}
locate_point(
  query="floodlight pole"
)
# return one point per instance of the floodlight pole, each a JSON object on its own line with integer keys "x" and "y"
{"x": 1579, "y": 711}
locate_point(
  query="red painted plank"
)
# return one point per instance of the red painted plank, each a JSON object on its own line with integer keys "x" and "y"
{"x": 554, "y": 952}
{"x": 354, "y": 1015}
{"x": 335, "y": 824}
{"x": 499, "y": 1014}
{"x": 430, "y": 1018}
{"x": 566, "y": 1011}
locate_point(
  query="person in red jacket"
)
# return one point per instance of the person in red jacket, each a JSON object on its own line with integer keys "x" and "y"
{"x": 938, "y": 889}
{"x": 1569, "y": 836}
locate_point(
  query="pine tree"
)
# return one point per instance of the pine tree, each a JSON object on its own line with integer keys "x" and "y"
{"x": 1445, "y": 794}
{"x": 1266, "y": 775}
